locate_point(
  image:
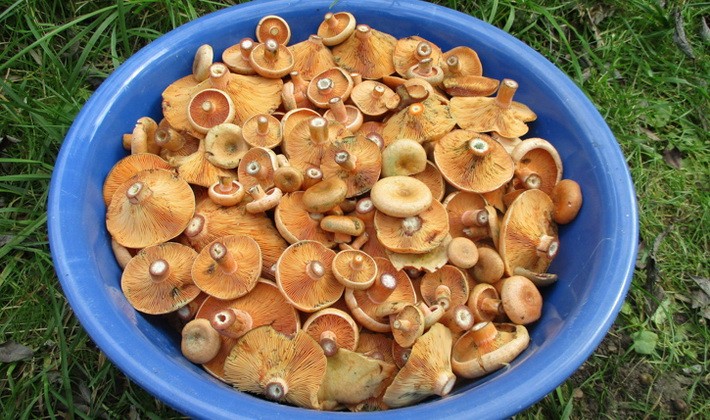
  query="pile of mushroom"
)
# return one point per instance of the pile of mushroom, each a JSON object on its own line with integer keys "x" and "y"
{"x": 349, "y": 222}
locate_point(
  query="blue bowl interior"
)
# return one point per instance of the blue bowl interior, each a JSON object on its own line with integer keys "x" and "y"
{"x": 594, "y": 265}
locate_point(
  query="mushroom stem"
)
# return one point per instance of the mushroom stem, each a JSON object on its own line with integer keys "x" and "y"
{"x": 416, "y": 109}
{"x": 159, "y": 270}
{"x": 169, "y": 139}
{"x": 312, "y": 177}
{"x": 411, "y": 225}
{"x": 357, "y": 78}
{"x": 484, "y": 334}
{"x": 271, "y": 50}
{"x": 478, "y": 147}
{"x": 339, "y": 112}
{"x": 461, "y": 319}
{"x": 196, "y": 225}
{"x": 548, "y": 246}
{"x": 454, "y": 65}
{"x": 432, "y": 315}
{"x": 315, "y": 269}
{"x": 444, "y": 383}
{"x": 425, "y": 67}
{"x": 346, "y": 160}
{"x": 423, "y": 50}
{"x": 331, "y": 21}
{"x": 223, "y": 257}
{"x": 378, "y": 91}
{"x": 276, "y": 389}
{"x": 475, "y": 218}
{"x": 443, "y": 296}
{"x": 507, "y": 89}
{"x": 319, "y": 130}
{"x": 402, "y": 324}
{"x": 363, "y": 31}
{"x": 540, "y": 279}
{"x": 359, "y": 241}
{"x": 226, "y": 185}
{"x": 325, "y": 85}
{"x": 232, "y": 323}
{"x": 262, "y": 125}
{"x": 329, "y": 343}
{"x": 246, "y": 45}
{"x": 219, "y": 76}
{"x": 299, "y": 83}
{"x": 256, "y": 192}
{"x": 530, "y": 179}
{"x": 138, "y": 193}
{"x": 490, "y": 306}
{"x": 357, "y": 262}
{"x": 382, "y": 288}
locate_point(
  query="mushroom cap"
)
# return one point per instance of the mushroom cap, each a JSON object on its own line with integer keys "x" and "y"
{"x": 200, "y": 342}
{"x": 484, "y": 302}
{"x": 375, "y": 345}
{"x": 236, "y": 57}
{"x": 433, "y": 179}
{"x": 403, "y": 157}
{"x": 468, "y": 361}
{"x": 325, "y": 195}
{"x": 374, "y": 98}
{"x": 489, "y": 268}
{"x": 204, "y": 56}
{"x": 295, "y": 223}
{"x": 269, "y": 363}
{"x": 367, "y": 51}
{"x": 409, "y": 50}
{"x": 521, "y": 300}
{"x": 367, "y": 164}
{"x": 567, "y": 199}
{"x": 470, "y": 85}
{"x": 226, "y": 192}
{"x": 334, "y": 82}
{"x": 407, "y": 325}
{"x": 273, "y": 27}
{"x": 472, "y": 161}
{"x": 127, "y": 167}
{"x": 362, "y": 306}
{"x": 196, "y": 169}
{"x": 354, "y": 269}
{"x": 175, "y": 100}
{"x": 333, "y": 329}
{"x": 312, "y": 57}
{"x": 472, "y": 225}
{"x": 462, "y": 252}
{"x": 263, "y": 200}
{"x": 307, "y": 141}
{"x": 262, "y": 130}
{"x": 400, "y": 196}
{"x": 539, "y": 157}
{"x": 264, "y": 305}
{"x": 414, "y": 234}
{"x": 446, "y": 287}
{"x": 421, "y": 121}
{"x": 427, "y": 371}
{"x": 305, "y": 276}
{"x": 528, "y": 235}
{"x": 336, "y": 28}
{"x": 157, "y": 279}
{"x": 429, "y": 261}
{"x": 225, "y": 145}
{"x": 215, "y": 275}
{"x": 151, "y": 207}
{"x": 271, "y": 59}
{"x": 466, "y": 62}
{"x": 210, "y": 107}
{"x": 253, "y": 95}
{"x": 257, "y": 167}
{"x": 500, "y": 113}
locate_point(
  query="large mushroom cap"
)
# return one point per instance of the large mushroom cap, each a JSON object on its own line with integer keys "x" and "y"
{"x": 127, "y": 167}
{"x": 414, "y": 234}
{"x": 333, "y": 329}
{"x": 355, "y": 160}
{"x": 329, "y": 84}
{"x": 269, "y": 363}
{"x": 355, "y": 269}
{"x": 151, "y": 207}
{"x": 446, "y": 287}
{"x": 273, "y": 27}
{"x": 307, "y": 141}
{"x": 225, "y": 145}
{"x": 295, "y": 223}
{"x": 271, "y": 59}
{"x": 157, "y": 280}
{"x": 462, "y": 61}
{"x": 368, "y": 52}
{"x": 472, "y": 161}
{"x": 229, "y": 267}
{"x": 421, "y": 121}
{"x": 528, "y": 236}
{"x": 208, "y": 108}
{"x": 400, "y": 196}
{"x": 312, "y": 57}
{"x": 305, "y": 276}
{"x": 537, "y": 164}
{"x": 487, "y": 347}
{"x": 336, "y": 27}
{"x": 374, "y": 98}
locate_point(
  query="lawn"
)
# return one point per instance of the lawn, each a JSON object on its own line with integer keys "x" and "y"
{"x": 643, "y": 63}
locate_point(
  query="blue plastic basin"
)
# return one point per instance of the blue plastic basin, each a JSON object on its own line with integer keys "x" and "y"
{"x": 595, "y": 263}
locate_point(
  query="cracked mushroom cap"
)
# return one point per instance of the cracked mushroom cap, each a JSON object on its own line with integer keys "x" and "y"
{"x": 487, "y": 347}
{"x": 421, "y": 121}
{"x": 355, "y": 160}
{"x": 468, "y": 216}
{"x": 273, "y": 27}
{"x": 305, "y": 276}
{"x": 333, "y": 329}
{"x": 500, "y": 113}
{"x": 528, "y": 235}
{"x": 151, "y": 207}
{"x": 391, "y": 285}
{"x": 157, "y": 279}
{"x": 295, "y": 223}
{"x": 368, "y": 52}
{"x": 537, "y": 164}
{"x": 354, "y": 269}
{"x": 410, "y": 50}
{"x": 336, "y": 27}
{"x": 312, "y": 57}
{"x": 427, "y": 371}
{"x": 446, "y": 287}
{"x": 414, "y": 234}
{"x": 127, "y": 167}
{"x": 472, "y": 161}
{"x": 225, "y": 145}
{"x": 283, "y": 369}
{"x": 229, "y": 267}
{"x": 264, "y": 305}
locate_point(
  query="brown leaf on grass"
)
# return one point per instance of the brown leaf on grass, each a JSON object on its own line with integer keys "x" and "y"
{"x": 705, "y": 30}
{"x": 679, "y": 37}
{"x": 10, "y": 352}
{"x": 700, "y": 299}
{"x": 650, "y": 134}
{"x": 673, "y": 157}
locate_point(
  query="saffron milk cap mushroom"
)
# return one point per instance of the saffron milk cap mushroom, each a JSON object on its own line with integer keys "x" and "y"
{"x": 228, "y": 267}
{"x": 400, "y": 196}
{"x": 200, "y": 342}
{"x": 567, "y": 199}
{"x": 403, "y": 157}
{"x": 333, "y": 329}
{"x": 271, "y": 60}
{"x": 537, "y": 164}
{"x": 336, "y": 27}
{"x": 354, "y": 269}
{"x": 273, "y": 27}
{"x": 225, "y": 145}
{"x": 295, "y": 223}
{"x": 487, "y": 347}
{"x": 208, "y": 108}
{"x": 127, "y": 167}
{"x": 417, "y": 234}
{"x": 367, "y": 51}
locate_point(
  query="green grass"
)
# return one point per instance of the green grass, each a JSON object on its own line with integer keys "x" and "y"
{"x": 621, "y": 53}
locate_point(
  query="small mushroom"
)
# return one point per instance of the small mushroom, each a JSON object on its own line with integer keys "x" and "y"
{"x": 336, "y": 27}
{"x": 417, "y": 234}
{"x": 537, "y": 164}
{"x": 487, "y": 347}
{"x": 311, "y": 57}
{"x": 328, "y": 84}
{"x": 354, "y": 269}
{"x": 489, "y": 268}
{"x": 462, "y": 252}
{"x": 409, "y": 51}
{"x": 157, "y": 279}
{"x": 468, "y": 215}
{"x": 208, "y": 108}
{"x": 421, "y": 121}
{"x": 407, "y": 325}
{"x": 174, "y": 143}
{"x": 305, "y": 276}
{"x": 567, "y": 200}
{"x": 446, "y": 287}
{"x": 333, "y": 329}
{"x": 204, "y": 57}
{"x": 226, "y": 192}
{"x": 228, "y": 267}
{"x": 367, "y": 51}
{"x": 462, "y": 61}
{"x": 256, "y": 167}
{"x": 236, "y": 57}
{"x": 365, "y": 211}
{"x": 295, "y": 223}
{"x": 521, "y": 300}
{"x": 400, "y": 196}
{"x": 484, "y": 303}
{"x": 325, "y": 195}
{"x": 286, "y": 177}
{"x": 500, "y": 113}
{"x": 348, "y": 115}
{"x": 426, "y": 69}
{"x": 263, "y": 200}
{"x": 355, "y": 160}
{"x": 273, "y": 27}
{"x": 127, "y": 167}
{"x": 262, "y": 130}
{"x": 143, "y": 136}
{"x": 121, "y": 253}
{"x": 284, "y": 369}
{"x": 200, "y": 342}
{"x": 403, "y": 157}
{"x": 271, "y": 59}
{"x": 225, "y": 145}
{"x": 427, "y": 372}
{"x": 152, "y": 207}
{"x": 374, "y": 98}
{"x": 458, "y": 319}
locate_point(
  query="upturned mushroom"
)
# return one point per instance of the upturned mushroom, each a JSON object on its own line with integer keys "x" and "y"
{"x": 225, "y": 145}
{"x": 427, "y": 69}
{"x": 262, "y": 130}
{"x": 295, "y": 93}
{"x": 374, "y": 98}
{"x": 470, "y": 85}
{"x": 423, "y": 121}
{"x": 226, "y": 192}
{"x": 257, "y": 167}
{"x": 473, "y": 161}
{"x": 311, "y": 57}
{"x": 157, "y": 279}
{"x": 269, "y": 363}
{"x": 307, "y": 141}
{"x": 305, "y": 276}
{"x": 428, "y": 370}
{"x": 446, "y": 287}
{"x": 336, "y": 27}
{"x": 484, "y": 303}
{"x": 367, "y": 51}
{"x": 333, "y": 329}
{"x": 236, "y": 57}
{"x": 413, "y": 234}
{"x": 228, "y": 267}
{"x": 354, "y": 269}
{"x": 328, "y": 84}
{"x": 499, "y": 113}
{"x": 409, "y": 51}
{"x": 263, "y": 200}
{"x": 152, "y": 207}
{"x": 295, "y": 223}
{"x": 468, "y": 215}
{"x": 429, "y": 261}
{"x": 462, "y": 61}
{"x": 431, "y": 176}
{"x": 273, "y": 27}
{"x": 127, "y": 167}
{"x": 348, "y": 115}
{"x": 208, "y": 108}
{"x": 487, "y": 347}
{"x": 537, "y": 165}
{"x": 196, "y": 169}
{"x": 355, "y": 160}
{"x": 271, "y": 60}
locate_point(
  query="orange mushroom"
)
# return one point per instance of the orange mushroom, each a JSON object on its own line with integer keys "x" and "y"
{"x": 470, "y": 85}
{"x": 200, "y": 342}
{"x": 487, "y": 347}
{"x": 204, "y": 57}
{"x": 273, "y": 27}
{"x": 421, "y": 121}
{"x": 328, "y": 84}
{"x": 400, "y": 196}
{"x": 226, "y": 192}
{"x": 306, "y": 143}
{"x": 431, "y": 176}
{"x": 127, "y": 167}
{"x": 484, "y": 303}
{"x": 567, "y": 199}
{"x": 236, "y": 57}
{"x": 348, "y": 115}
{"x": 368, "y": 52}
{"x": 468, "y": 215}
{"x": 489, "y": 268}
{"x": 311, "y": 57}
{"x": 197, "y": 169}
{"x": 462, "y": 253}
{"x": 286, "y": 177}
{"x": 262, "y": 130}
{"x": 228, "y": 267}
{"x": 354, "y": 269}
{"x": 271, "y": 59}
{"x": 225, "y": 145}
{"x": 446, "y": 287}
{"x": 336, "y": 27}
{"x": 333, "y": 329}
{"x": 355, "y": 160}
{"x": 414, "y": 234}
{"x": 208, "y": 108}
{"x": 374, "y": 98}
{"x": 411, "y": 50}
{"x": 403, "y": 157}
{"x": 537, "y": 164}
{"x": 325, "y": 195}
{"x": 462, "y": 61}
{"x": 257, "y": 167}
{"x": 295, "y": 223}
{"x": 521, "y": 300}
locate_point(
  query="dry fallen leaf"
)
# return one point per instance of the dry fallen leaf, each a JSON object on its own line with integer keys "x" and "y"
{"x": 673, "y": 157}
{"x": 700, "y": 299}
{"x": 679, "y": 36}
{"x": 10, "y": 352}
